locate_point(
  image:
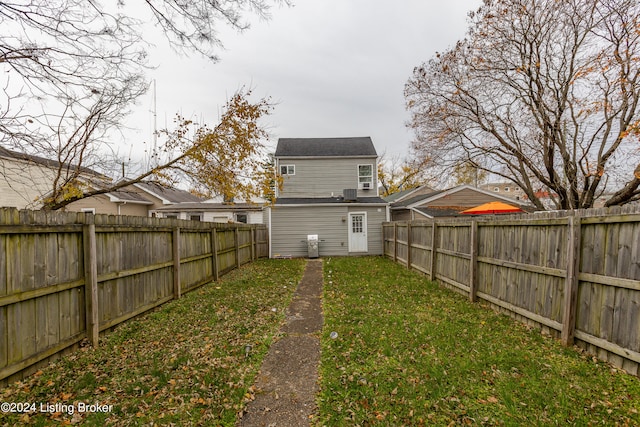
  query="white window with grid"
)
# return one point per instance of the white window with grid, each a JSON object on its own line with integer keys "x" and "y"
{"x": 365, "y": 176}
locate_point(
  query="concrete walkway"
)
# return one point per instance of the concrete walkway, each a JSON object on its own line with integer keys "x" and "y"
{"x": 288, "y": 379}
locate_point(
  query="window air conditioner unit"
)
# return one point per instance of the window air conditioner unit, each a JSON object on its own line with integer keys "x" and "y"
{"x": 366, "y": 185}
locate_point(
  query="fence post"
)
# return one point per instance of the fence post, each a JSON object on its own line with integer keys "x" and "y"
{"x": 409, "y": 245}
{"x": 91, "y": 279}
{"x": 395, "y": 242}
{"x": 571, "y": 283}
{"x": 176, "y": 262}
{"x": 473, "y": 270}
{"x": 434, "y": 236}
{"x": 237, "y": 246}
{"x": 252, "y": 230}
{"x": 214, "y": 253}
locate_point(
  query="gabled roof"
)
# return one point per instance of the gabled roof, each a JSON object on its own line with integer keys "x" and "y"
{"x": 128, "y": 197}
{"x": 416, "y": 199}
{"x": 208, "y": 206}
{"x": 326, "y": 147}
{"x": 446, "y": 211}
{"x": 401, "y": 195}
{"x": 423, "y": 199}
{"x": 10, "y": 154}
{"x": 167, "y": 195}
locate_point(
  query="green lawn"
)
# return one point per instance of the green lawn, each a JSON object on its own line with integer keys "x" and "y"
{"x": 411, "y": 353}
{"x": 407, "y": 353}
{"x": 182, "y": 364}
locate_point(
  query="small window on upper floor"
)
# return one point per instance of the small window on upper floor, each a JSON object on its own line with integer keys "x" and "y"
{"x": 506, "y": 189}
{"x": 365, "y": 176}
{"x": 287, "y": 169}
{"x": 496, "y": 189}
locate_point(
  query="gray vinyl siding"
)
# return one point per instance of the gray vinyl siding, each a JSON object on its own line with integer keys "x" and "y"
{"x": 290, "y": 226}
{"x": 401, "y": 215}
{"x": 324, "y": 177}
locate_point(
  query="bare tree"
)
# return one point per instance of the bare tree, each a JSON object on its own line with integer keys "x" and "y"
{"x": 543, "y": 93}
{"x": 397, "y": 174}
{"x": 71, "y": 69}
{"x": 219, "y": 160}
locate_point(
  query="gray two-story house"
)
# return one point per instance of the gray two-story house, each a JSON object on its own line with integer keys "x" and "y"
{"x": 329, "y": 188}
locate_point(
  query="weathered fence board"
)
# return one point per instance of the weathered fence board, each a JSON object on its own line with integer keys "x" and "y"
{"x": 575, "y": 274}
{"x": 47, "y": 266}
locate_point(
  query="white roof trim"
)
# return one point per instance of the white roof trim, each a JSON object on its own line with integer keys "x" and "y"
{"x": 421, "y": 213}
{"x": 115, "y": 199}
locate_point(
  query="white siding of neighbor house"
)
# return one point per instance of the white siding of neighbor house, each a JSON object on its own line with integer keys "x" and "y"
{"x": 324, "y": 177}
{"x": 255, "y": 217}
{"x": 290, "y": 226}
{"x": 23, "y": 183}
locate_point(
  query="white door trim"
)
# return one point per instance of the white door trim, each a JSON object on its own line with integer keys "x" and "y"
{"x": 358, "y": 241}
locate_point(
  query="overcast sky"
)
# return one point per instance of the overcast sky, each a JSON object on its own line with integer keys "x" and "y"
{"x": 335, "y": 68}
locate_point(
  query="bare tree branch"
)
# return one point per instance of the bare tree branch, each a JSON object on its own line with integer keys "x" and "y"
{"x": 71, "y": 69}
{"x": 543, "y": 93}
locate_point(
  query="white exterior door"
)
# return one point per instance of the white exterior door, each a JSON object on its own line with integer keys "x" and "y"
{"x": 358, "y": 232}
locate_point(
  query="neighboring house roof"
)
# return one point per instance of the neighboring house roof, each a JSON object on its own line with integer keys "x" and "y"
{"x": 424, "y": 199}
{"x": 401, "y": 195}
{"x": 447, "y": 203}
{"x": 413, "y": 200}
{"x": 15, "y": 155}
{"x": 325, "y": 147}
{"x": 327, "y": 200}
{"x": 208, "y": 206}
{"x": 236, "y": 200}
{"x": 124, "y": 196}
{"x": 166, "y": 194}
{"x": 449, "y": 211}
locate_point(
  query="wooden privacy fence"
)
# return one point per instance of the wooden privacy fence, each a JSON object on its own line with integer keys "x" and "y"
{"x": 67, "y": 276}
{"x": 575, "y": 274}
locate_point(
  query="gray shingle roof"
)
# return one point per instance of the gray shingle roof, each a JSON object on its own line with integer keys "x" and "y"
{"x": 45, "y": 162}
{"x": 129, "y": 196}
{"x": 207, "y": 206}
{"x": 412, "y": 200}
{"x": 172, "y": 195}
{"x": 450, "y": 211}
{"x": 325, "y": 147}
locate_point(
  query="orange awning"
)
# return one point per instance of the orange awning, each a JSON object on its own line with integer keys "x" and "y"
{"x": 492, "y": 208}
